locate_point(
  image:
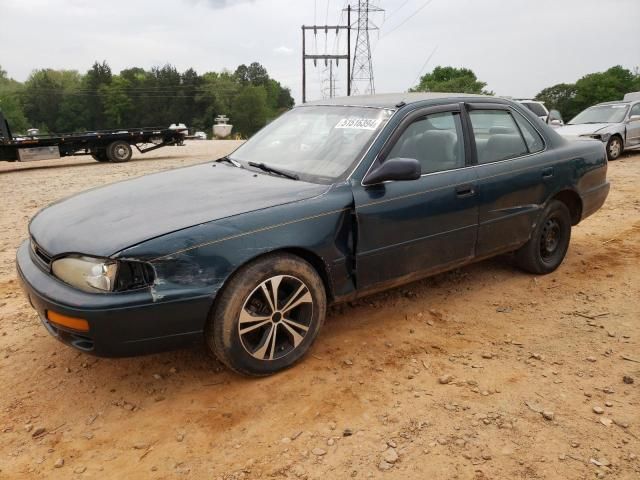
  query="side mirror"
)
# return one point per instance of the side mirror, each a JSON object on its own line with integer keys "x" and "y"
{"x": 556, "y": 122}
{"x": 634, "y": 118}
{"x": 394, "y": 169}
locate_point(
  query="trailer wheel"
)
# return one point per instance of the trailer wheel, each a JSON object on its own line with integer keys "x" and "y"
{"x": 100, "y": 156}
{"x": 119, "y": 151}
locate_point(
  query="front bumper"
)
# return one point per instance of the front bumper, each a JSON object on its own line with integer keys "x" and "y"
{"x": 120, "y": 324}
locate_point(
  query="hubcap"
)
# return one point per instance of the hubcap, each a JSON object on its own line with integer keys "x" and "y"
{"x": 121, "y": 152}
{"x": 275, "y": 317}
{"x": 550, "y": 238}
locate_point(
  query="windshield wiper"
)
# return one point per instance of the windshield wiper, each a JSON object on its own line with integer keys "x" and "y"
{"x": 229, "y": 160}
{"x": 267, "y": 168}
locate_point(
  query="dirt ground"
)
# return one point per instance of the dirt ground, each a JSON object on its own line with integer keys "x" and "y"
{"x": 481, "y": 373}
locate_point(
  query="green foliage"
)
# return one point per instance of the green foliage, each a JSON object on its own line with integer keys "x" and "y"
{"x": 593, "y": 88}
{"x": 64, "y": 100}
{"x": 250, "y": 111}
{"x": 10, "y": 104}
{"x": 451, "y": 79}
{"x": 559, "y": 97}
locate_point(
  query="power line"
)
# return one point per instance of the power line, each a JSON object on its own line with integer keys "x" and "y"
{"x": 424, "y": 5}
{"x": 394, "y": 12}
{"x": 425, "y": 64}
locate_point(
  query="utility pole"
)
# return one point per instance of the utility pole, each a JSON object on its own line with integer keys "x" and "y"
{"x": 332, "y": 82}
{"x": 362, "y": 71}
{"x": 326, "y": 57}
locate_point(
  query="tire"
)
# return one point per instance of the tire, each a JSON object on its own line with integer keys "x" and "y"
{"x": 100, "y": 156}
{"x": 548, "y": 245}
{"x": 241, "y": 327}
{"x": 119, "y": 151}
{"x": 614, "y": 148}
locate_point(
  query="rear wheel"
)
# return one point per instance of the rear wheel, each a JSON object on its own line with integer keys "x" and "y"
{"x": 100, "y": 156}
{"x": 548, "y": 245}
{"x": 119, "y": 151}
{"x": 268, "y": 315}
{"x": 614, "y": 148}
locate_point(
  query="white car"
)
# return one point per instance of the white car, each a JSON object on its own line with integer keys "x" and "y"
{"x": 550, "y": 117}
{"x": 616, "y": 124}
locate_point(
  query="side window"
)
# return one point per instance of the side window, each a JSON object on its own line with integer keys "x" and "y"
{"x": 635, "y": 110}
{"x": 497, "y": 135}
{"x": 434, "y": 140}
{"x": 531, "y": 136}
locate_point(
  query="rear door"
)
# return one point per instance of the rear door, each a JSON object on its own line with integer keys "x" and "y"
{"x": 408, "y": 228}
{"x": 514, "y": 178}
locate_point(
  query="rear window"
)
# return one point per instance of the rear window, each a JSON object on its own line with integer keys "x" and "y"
{"x": 536, "y": 108}
{"x": 497, "y": 136}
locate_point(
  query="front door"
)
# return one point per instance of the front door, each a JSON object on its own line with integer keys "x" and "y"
{"x": 410, "y": 228}
{"x": 633, "y": 127}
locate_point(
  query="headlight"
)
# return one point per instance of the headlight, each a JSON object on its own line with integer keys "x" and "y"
{"x": 102, "y": 275}
{"x": 597, "y": 136}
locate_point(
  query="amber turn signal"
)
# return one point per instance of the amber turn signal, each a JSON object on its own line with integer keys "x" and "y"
{"x": 74, "y": 323}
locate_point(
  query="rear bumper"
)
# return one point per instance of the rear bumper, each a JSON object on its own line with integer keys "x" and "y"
{"x": 593, "y": 199}
{"x": 120, "y": 324}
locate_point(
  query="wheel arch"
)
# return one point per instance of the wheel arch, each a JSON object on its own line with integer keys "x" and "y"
{"x": 305, "y": 254}
{"x": 573, "y": 202}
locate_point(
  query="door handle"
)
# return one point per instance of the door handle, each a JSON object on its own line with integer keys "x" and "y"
{"x": 547, "y": 172}
{"x": 463, "y": 191}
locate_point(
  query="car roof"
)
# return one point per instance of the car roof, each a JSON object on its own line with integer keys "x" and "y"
{"x": 392, "y": 100}
{"x": 616, "y": 102}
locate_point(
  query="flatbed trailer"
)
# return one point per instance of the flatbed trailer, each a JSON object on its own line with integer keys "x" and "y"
{"x": 103, "y": 145}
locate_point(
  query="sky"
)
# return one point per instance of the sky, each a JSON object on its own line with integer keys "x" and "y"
{"x": 517, "y": 46}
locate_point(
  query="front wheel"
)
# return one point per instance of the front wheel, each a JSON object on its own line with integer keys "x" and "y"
{"x": 614, "y": 148}
{"x": 548, "y": 245}
{"x": 268, "y": 315}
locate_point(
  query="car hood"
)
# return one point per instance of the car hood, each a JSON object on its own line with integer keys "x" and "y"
{"x": 581, "y": 129}
{"x": 106, "y": 220}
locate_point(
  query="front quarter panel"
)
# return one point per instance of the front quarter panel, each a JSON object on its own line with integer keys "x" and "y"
{"x": 198, "y": 261}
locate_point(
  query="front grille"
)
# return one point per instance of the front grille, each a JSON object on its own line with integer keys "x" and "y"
{"x": 40, "y": 255}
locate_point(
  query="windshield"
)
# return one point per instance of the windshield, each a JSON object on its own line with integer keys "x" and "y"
{"x": 536, "y": 108}
{"x": 316, "y": 143}
{"x": 601, "y": 114}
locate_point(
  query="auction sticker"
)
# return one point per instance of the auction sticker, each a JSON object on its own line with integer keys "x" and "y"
{"x": 359, "y": 123}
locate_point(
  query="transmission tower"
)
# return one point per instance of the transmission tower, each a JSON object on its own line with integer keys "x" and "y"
{"x": 362, "y": 80}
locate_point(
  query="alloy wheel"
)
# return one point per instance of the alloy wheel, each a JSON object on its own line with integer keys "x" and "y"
{"x": 275, "y": 318}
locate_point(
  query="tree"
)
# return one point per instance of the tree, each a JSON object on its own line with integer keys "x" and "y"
{"x": 559, "y": 97}
{"x": 250, "y": 110}
{"x": 93, "y": 82}
{"x": 65, "y": 100}
{"x": 603, "y": 86}
{"x": 11, "y": 104}
{"x": 451, "y": 79}
{"x": 593, "y": 88}
{"x": 117, "y": 103}
{"x": 257, "y": 74}
{"x": 44, "y": 95}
